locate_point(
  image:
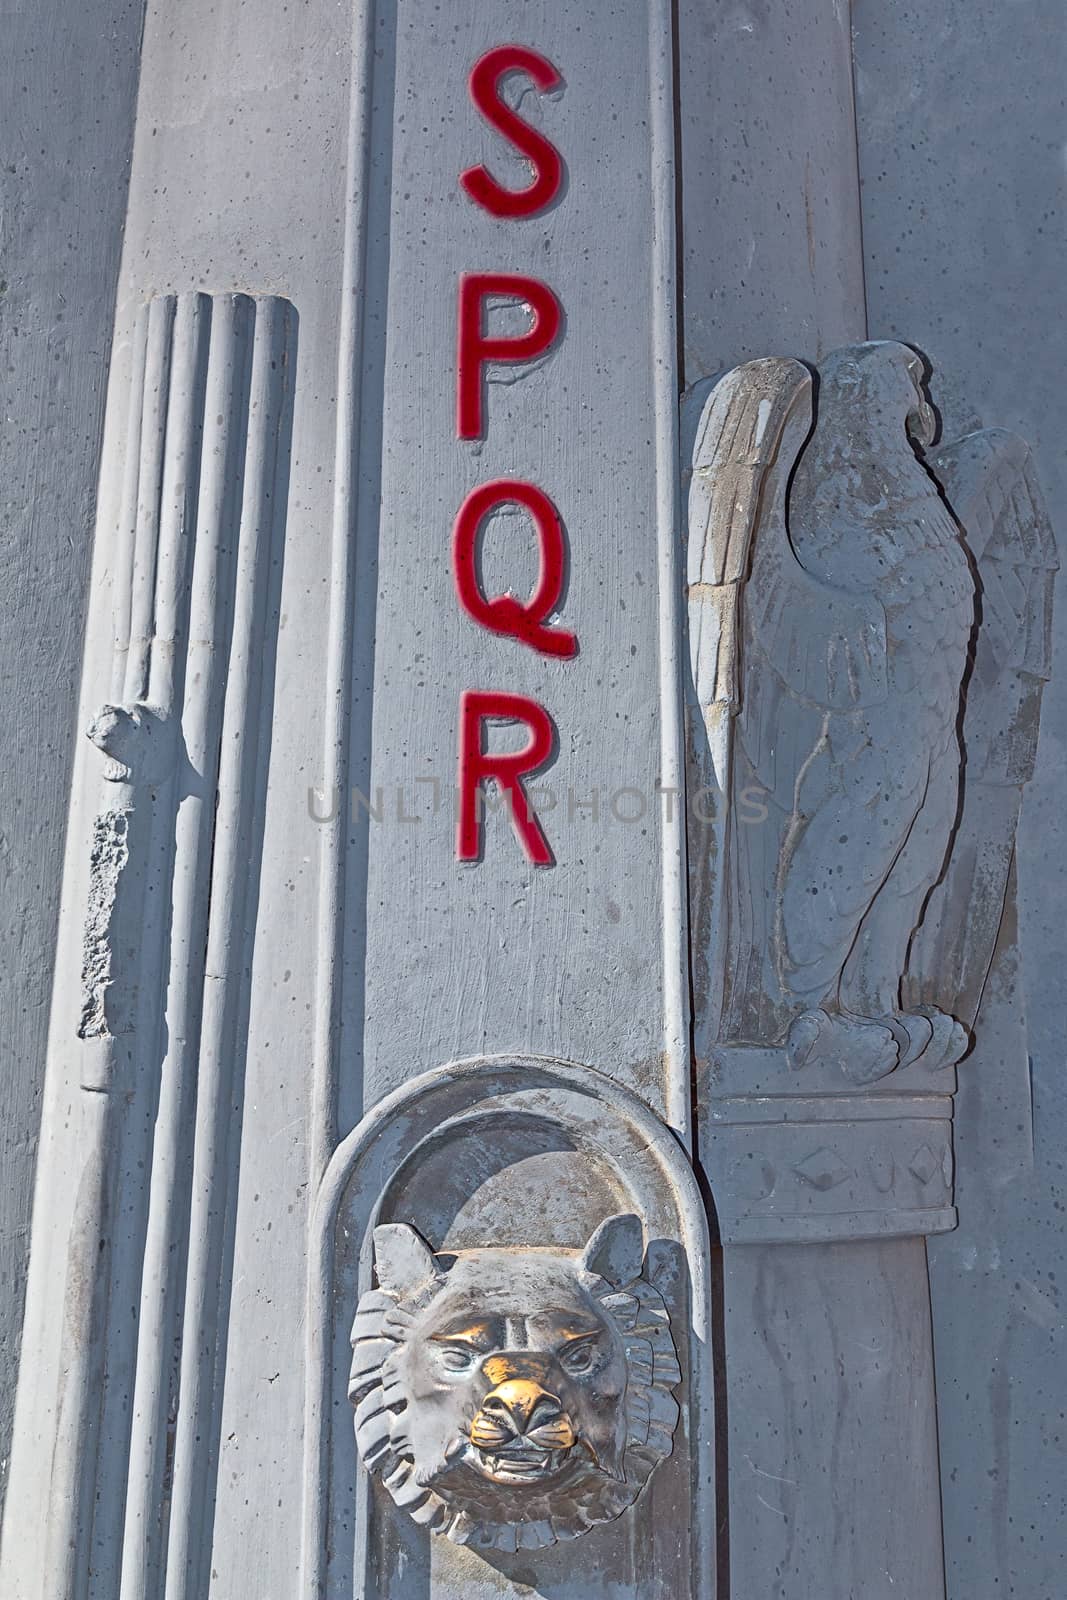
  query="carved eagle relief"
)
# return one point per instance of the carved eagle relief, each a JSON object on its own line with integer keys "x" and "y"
{"x": 989, "y": 481}
{"x": 835, "y": 604}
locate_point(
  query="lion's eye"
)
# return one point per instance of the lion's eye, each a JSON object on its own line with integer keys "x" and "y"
{"x": 580, "y": 1358}
{"x": 454, "y": 1358}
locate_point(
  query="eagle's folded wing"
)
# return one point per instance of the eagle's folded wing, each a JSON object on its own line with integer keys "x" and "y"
{"x": 749, "y": 434}
{"x": 785, "y": 663}
{"x": 989, "y": 482}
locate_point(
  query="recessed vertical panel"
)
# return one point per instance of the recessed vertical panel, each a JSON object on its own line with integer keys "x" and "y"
{"x": 500, "y": 952}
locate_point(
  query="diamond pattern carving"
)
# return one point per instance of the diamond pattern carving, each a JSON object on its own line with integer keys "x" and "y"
{"x": 823, "y": 1169}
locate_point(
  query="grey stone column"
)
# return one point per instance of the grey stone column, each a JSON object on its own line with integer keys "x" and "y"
{"x": 62, "y": 201}
{"x": 355, "y": 962}
{"x": 965, "y": 234}
{"x": 844, "y": 924}
{"x": 828, "y": 1441}
{"x": 823, "y": 1201}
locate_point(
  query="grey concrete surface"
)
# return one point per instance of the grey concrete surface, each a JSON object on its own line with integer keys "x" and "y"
{"x": 574, "y": 960}
{"x": 821, "y": 1495}
{"x": 962, "y": 141}
{"x": 237, "y": 182}
{"x": 67, "y": 99}
{"x": 770, "y": 226}
{"x": 961, "y": 156}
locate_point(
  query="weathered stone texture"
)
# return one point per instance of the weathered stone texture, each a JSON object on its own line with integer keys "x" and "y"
{"x": 66, "y": 106}
{"x": 770, "y": 222}
{"x": 961, "y": 151}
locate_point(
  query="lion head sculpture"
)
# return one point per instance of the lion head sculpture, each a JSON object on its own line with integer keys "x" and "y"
{"x": 511, "y": 1398}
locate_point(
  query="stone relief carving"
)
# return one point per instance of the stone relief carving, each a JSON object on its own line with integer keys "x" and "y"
{"x": 834, "y": 607}
{"x": 990, "y": 483}
{"x": 172, "y": 877}
{"x": 869, "y": 632}
{"x": 513, "y": 1398}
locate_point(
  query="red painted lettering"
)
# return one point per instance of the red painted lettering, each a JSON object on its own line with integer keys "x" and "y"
{"x": 503, "y": 613}
{"x": 475, "y": 348}
{"x": 477, "y": 765}
{"x": 485, "y": 81}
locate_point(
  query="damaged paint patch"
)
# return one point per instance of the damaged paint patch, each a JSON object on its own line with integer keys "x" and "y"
{"x": 109, "y": 858}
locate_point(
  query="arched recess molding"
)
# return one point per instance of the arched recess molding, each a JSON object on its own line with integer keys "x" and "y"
{"x": 525, "y": 1167}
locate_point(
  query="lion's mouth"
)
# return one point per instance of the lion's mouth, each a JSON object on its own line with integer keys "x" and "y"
{"x": 519, "y": 1461}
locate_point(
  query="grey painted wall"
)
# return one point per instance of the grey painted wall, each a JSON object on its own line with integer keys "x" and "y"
{"x": 770, "y": 227}
{"x": 964, "y": 241}
{"x": 962, "y": 137}
{"x": 242, "y": 128}
{"x": 66, "y": 107}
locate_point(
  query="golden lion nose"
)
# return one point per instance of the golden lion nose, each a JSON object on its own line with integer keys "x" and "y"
{"x": 523, "y": 1401}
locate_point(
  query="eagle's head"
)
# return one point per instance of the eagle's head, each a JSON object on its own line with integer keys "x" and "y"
{"x": 878, "y": 385}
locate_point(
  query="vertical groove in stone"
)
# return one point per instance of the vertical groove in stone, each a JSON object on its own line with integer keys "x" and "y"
{"x": 203, "y": 507}
{"x": 122, "y": 940}
{"x": 144, "y": 385}
{"x": 329, "y": 928}
{"x": 222, "y": 410}
{"x": 139, "y": 586}
{"x": 229, "y": 937}
{"x": 677, "y": 1090}
{"x": 859, "y": 181}
{"x": 343, "y": 561}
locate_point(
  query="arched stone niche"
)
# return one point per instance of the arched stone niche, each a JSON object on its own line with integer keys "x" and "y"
{"x": 524, "y": 1154}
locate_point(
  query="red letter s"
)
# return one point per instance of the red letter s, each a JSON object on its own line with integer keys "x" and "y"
{"x": 480, "y": 185}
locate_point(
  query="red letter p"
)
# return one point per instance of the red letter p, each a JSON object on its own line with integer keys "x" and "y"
{"x": 476, "y": 348}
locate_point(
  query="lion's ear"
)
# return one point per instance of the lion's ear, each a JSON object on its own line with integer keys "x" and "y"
{"x": 616, "y": 1252}
{"x": 402, "y": 1258}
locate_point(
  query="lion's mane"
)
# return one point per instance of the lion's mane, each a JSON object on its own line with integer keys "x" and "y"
{"x": 529, "y": 1518}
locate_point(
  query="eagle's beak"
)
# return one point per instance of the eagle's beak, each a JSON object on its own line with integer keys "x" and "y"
{"x": 922, "y": 424}
{"x": 922, "y": 419}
